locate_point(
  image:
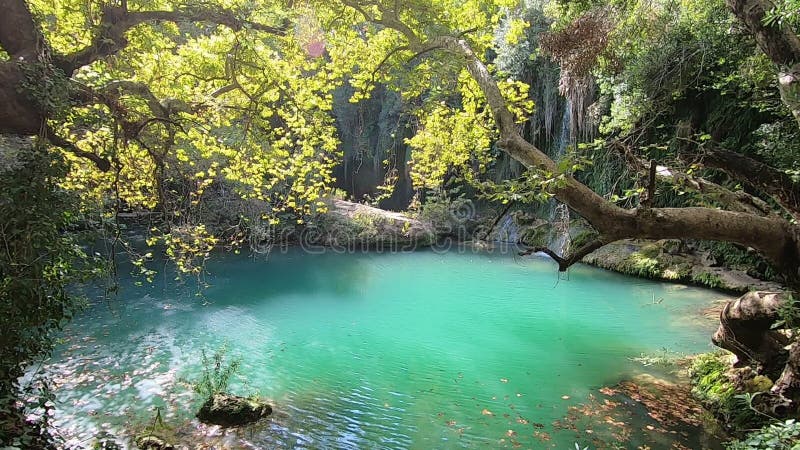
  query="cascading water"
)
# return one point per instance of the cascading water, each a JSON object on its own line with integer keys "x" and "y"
{"x": 559, "y": 212}
{"x": 507, "y": 230}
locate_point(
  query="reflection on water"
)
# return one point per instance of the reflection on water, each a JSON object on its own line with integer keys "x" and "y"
{"x": 418, "y": 350}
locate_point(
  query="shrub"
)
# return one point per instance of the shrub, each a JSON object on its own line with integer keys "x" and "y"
{"x": 640, "y": 265}
{"x": 707, "y": 279}
{"x": 217, "y": 373}
{"x": 777, "y": 436}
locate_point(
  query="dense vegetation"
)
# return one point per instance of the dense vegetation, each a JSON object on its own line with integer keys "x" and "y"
{"x": 213, "y": 121}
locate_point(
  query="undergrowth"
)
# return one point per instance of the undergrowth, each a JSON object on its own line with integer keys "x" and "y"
{"x": 713, "y": 387}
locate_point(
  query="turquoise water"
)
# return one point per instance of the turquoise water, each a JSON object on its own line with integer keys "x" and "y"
{"x": 417, "y": 350}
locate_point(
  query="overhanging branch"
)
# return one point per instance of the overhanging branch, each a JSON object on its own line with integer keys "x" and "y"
{"x": 564, "y": 262}
{"x": 774, "y": 238}
{"x": 103, "y": 164}
{"x": 116, "y": 21}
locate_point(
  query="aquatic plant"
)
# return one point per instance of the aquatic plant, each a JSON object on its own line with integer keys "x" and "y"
{"x": 216, "y": 373}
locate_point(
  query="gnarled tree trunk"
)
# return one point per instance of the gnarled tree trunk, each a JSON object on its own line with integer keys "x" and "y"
{"x": 746, "y": 329}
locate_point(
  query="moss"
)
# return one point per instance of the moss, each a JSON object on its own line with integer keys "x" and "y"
{"x": 714, "y": 388}
{"x": 650, "y": 250}
{"x": 583, "y": 238}
{"x": 759, "y": 383}
{"x": 640, "y": 265}
{"x": 707, "y": 279}
{"x": 536, "y": 237}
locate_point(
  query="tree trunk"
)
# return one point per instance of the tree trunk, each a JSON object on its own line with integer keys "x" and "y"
{"x": 780, "y": 44}
{"x": 746, "y": 330}
{"x": 787, "y": 388}
{"x": 18, "y": 113}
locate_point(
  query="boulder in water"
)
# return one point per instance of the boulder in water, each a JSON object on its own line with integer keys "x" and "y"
{"x": 231, "y": 411}
{"x": 152, "y": 442}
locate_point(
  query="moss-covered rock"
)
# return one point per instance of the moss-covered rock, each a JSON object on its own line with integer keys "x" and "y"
{"x": 353, "y": 226}
{"x": 152, "y": 442}
{"x": 672, "y": 260}
{"x": 719, "y": 387}
{"x": 231, "y": 410}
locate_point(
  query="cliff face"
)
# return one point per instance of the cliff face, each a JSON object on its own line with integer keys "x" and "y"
{"x": 372, "y": 135}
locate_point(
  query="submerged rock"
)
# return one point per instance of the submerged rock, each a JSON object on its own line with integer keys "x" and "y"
{"x": 231, "y": 410}
{"x": 152, "y": 442}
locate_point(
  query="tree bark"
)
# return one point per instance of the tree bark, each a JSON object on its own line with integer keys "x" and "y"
{"x": 787, "y": 387}
{"x": 746, "y": 330}
{"x": 19, "y": 35}
{"x": 18, "y": 113}
{"x": 758, "y": 175}
{"x": 780, "y": 44}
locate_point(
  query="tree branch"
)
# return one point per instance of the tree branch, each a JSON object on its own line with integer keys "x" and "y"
{"x": 767, "y": 179}
{"x": 735, "y": 201}
{"x": 102, "y": 164}
{"x": 19, "y": 35}
{"x": 780, "y": 44}
{"x": 564, "y": 263}
{"x": 116, "y": 21}
{"x": 774, "y": 238}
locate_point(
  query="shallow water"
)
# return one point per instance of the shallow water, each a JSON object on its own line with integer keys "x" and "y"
{"x": 417, "y": 350}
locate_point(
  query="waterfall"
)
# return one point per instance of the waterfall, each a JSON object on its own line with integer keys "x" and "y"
{"x": 559, "y": 212}
{"x": 507, "y": 230}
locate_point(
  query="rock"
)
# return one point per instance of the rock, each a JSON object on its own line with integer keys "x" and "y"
{"x": 353, "y": 226}
{"x": 232, "y": 411}
{"x": 152, "y": 442}
{"x": 670, "y": 260}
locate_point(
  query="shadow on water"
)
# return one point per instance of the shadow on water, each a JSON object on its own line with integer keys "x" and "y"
{"x": 297, "y": 274}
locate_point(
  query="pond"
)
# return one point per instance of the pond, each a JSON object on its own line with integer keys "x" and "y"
{"x": 412, "y": 350}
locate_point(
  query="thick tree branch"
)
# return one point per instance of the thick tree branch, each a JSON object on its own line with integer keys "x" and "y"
{"x": 18, "y": 115}
{"x": 774, "y": 238}
{"x": 767, "y": 179}
{"x": 19, "y": 35}
{"x": 564, "y": 262}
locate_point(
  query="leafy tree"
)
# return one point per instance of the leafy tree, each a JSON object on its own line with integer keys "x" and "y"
{"x": 217, "y": 115}
{"x": 38, "y": 263}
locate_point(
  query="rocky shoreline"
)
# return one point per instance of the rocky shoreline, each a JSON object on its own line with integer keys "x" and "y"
{"x": 667, "y": 260}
